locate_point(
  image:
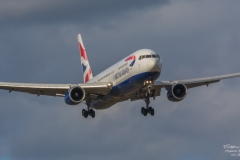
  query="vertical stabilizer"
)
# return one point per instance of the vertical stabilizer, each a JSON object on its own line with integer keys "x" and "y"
{"x": 87, "y": 71}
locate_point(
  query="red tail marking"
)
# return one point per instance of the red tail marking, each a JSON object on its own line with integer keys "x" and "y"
{"x": 88, "y": 75}
{"x": 82, "y": 52}
{"x": 86, "y": 78}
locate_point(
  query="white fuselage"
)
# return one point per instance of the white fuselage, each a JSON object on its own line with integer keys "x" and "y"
{"x": 127, "y": 76}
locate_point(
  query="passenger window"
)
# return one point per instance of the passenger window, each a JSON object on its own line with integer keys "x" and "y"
{"x": 148, "y": 56}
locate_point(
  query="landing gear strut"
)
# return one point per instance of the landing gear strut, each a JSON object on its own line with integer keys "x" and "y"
{"x": 148, "y": 109}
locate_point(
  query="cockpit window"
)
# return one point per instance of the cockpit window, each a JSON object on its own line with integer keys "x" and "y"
{"x": 149, "y": 56}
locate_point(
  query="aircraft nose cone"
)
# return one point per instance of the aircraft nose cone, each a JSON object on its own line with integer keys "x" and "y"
{"x": 153, "y": 65}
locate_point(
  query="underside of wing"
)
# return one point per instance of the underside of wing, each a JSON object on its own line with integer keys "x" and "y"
{"x": 55, "y": 89}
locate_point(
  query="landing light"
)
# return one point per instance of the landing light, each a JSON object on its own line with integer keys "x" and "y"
{"x": 109, "y": 85}
{"x": 148, "y": 82}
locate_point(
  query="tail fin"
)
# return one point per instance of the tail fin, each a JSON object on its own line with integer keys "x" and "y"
{"x": 87, "y": 72}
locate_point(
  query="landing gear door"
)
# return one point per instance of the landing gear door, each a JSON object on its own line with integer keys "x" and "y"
{"x": 115, "y": 78}
{"x": 139, "y": 60}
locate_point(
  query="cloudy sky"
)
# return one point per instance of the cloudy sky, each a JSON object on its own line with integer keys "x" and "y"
{"x": 38, "y": 43}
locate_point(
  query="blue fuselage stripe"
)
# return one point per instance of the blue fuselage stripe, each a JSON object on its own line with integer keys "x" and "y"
{"x": 128, "y": 86}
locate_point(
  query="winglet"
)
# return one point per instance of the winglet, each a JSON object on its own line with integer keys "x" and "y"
{"x": 87, "y": 72}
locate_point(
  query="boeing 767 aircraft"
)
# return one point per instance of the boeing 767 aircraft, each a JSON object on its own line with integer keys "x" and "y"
{"x": 134, "y": 77}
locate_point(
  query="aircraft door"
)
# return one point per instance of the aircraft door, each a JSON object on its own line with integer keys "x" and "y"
{"x": 115, "y": 74}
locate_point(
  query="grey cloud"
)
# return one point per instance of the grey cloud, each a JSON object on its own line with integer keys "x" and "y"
{"x": 194, "y": 39}
{"x": 57, "y": 12}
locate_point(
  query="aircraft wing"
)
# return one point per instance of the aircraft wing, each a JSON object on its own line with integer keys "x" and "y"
{"x": 191, "y": 83}
{"x": 55, "y": 89}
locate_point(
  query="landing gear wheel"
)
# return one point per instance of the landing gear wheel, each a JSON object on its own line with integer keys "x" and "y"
{"x": 151, "y": 111}
{"x": 92, "y": 113}
{"x": 85, "y": 113}
{"x": 142, "y": 110}
{"x": 145, "y": 112}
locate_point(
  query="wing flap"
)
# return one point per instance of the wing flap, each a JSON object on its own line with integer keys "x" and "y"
{"x": 192, "y": 85}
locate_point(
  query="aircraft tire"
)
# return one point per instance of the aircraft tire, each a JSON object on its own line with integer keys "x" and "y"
{"x": 142, "y": 110}
{"x": 85, "y": 113}
{"x": 145, "y": 112}
{"x": 83, "y": 110}
{"x": 151, "y": 111}
{"x": 92, "y": 113}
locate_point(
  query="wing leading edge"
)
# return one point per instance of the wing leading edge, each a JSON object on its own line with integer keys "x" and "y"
{"x": 55, "y": 89}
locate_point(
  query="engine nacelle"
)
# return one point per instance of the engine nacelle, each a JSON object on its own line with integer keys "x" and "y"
{"x": 74, "y": 95}
{"x": 177, "y": 92}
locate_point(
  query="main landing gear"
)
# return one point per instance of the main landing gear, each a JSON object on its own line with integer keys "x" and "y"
{"x": 87, "y": 112}
{"x": 148, "y": 109}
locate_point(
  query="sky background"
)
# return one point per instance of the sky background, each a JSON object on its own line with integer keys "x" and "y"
{"x": 195, "y": 38}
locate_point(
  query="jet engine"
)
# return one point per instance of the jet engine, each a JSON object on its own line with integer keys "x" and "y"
{"x": 74, "y": 95}
{"x": 177, "y": 92}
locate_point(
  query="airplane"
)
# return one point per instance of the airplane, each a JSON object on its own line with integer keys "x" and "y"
{"x": 133, "y": 78}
